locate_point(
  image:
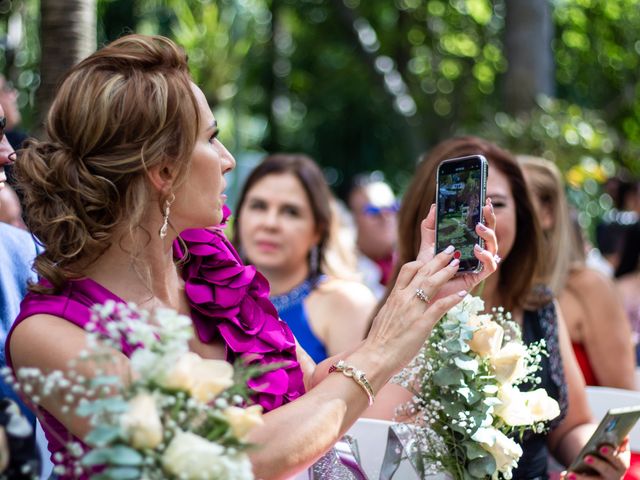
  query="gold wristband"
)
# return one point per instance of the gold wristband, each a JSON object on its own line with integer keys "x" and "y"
{"x": 357, "y": 375}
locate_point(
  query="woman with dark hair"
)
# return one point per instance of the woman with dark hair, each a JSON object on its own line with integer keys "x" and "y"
{"x": 282, "y": 227}
{"x": 126, "y": 195}
{"x": 512, "y": 287}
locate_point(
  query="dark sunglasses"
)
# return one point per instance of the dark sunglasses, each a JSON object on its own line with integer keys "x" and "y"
{"x": 373, "y": 210}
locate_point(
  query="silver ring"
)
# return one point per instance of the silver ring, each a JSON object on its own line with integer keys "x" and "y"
{"x": 497, "y": 258}
{"x": 422, "y": 296}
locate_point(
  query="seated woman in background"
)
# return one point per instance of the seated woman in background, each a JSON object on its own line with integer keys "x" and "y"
{"x": 282, "y": 227}
{"x": 590, "y": 305}
{"x": 510, "y": 286}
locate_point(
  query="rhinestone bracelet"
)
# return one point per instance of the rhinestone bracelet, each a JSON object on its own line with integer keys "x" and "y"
{"x": 357, "y": 375}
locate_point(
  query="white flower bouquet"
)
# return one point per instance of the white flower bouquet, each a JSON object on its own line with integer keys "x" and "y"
{"x": 467, "y": 407}
{"x": 180, "y": 416}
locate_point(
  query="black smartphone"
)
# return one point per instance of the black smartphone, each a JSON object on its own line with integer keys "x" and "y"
{"x": 460, "y": 196}
{"x": 613, "y": 428}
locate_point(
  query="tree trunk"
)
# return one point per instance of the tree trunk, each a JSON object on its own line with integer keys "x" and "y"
{"x": 528, "y": 36}
{"x": 67, "y": 35}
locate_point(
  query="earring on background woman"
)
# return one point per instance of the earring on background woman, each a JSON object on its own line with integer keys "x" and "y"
{"x": 314, "y": 260}
{"x": 167, "y": 210}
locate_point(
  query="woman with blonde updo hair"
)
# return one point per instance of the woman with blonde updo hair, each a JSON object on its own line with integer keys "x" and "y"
{"x": 590, "y": 305}
{"x": 126, "y": 195}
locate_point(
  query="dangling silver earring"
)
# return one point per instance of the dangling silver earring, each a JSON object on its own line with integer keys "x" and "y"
{"x": 165, "y": 216}
{"x": 314, "y": 259}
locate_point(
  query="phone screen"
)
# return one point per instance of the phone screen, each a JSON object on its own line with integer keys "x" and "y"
{"x": 460, "y": 197}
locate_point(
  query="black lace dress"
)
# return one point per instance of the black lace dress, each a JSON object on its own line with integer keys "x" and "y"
{"x": 536, "y": 325}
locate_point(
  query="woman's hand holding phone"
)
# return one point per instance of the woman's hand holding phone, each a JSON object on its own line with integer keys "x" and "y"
{"x": 610, "y": 463}
{"x": 487, "y": 255}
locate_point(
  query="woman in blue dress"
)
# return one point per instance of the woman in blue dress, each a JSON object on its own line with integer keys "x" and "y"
{"x": 283, "y": 227}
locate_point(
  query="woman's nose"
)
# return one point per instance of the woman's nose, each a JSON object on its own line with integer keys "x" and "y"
{"x": 6, "y": 151}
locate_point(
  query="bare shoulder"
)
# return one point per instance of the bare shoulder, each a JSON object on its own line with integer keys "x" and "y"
{"x": 587, "y": 280}
{"x": 629, "y": 283}
{"x": 345, "y": 293}
{"x": 45, "y": 340}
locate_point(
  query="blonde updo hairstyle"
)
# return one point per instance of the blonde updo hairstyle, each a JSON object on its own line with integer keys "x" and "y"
{"x": 125, "y": 109}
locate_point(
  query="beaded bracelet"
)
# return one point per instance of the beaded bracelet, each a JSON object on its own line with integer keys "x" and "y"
{"x": 358, "y": 376}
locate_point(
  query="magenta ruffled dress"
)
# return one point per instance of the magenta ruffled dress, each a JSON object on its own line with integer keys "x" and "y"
{"x": 229, "y": 303}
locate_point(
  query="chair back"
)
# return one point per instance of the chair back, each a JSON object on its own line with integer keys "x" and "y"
{"x": 601, "y": 399}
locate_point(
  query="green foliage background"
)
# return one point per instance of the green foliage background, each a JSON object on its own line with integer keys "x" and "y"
{"x": 364, "y": 85}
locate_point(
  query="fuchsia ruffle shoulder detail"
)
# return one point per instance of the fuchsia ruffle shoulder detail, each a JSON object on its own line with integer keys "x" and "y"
{"x": 231, "y": 301}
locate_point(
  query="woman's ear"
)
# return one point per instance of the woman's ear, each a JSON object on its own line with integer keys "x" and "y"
{"x": 161, "y": 178}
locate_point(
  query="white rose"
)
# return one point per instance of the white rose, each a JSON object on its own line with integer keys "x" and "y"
{"x": 487, "y": 338}
{"x": 509, "y": 362}
{"x": 242, "y": 420}
{"x": 180, "y": 376}
{"x": 478, "y": 320}
{"x": 541, "y": 405}
{"x": 525, "y": 408}
{"x": 203, "y": 379}
{"x": 513, "y": 409}
{"x": 191, "y": 457}
{"x": 504, "y": 450}
{"x": 141, "y": 422}
{"x": 211, "y": 377}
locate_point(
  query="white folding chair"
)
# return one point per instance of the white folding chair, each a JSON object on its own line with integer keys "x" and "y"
{"x": 601, "y": 399}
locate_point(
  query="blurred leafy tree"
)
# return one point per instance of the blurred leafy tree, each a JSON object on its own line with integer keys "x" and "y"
{"x": 364, "y": 85}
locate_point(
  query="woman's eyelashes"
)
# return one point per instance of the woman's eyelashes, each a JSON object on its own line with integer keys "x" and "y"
{"x": 291, "y": 211}
{"x": 257, "y": 205}
{"x": 260, "y": 205}
{"x": 214, "y": 135}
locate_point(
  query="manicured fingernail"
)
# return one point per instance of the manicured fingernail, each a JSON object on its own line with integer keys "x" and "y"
{"x": 454, "y": 262}
{"x": 588, "y": 459}
{"x": 490, "y": 203}
{"x": 478, "y": 248}
{"x": 482, "y": 227}
{"x": 462, "y": 293}
{"x": 604, "y": 450}
{"x": 571, "y": 476}
{"x": 449, "y": 250}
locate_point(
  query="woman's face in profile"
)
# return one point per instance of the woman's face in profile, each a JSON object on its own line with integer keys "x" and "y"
{"x": 499, "y": 190}
{"x": 5, "y": 151}
{"x": 277, "y": 228}
{"x": 200, "y": 198}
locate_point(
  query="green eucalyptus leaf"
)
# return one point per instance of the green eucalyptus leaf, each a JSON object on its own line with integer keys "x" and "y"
{"x": 97, "y": 456}
{"x": 103, "y": 380}
{"x": 470, "y": 395}
{"x": 122, "y": 473}
{"x": 116, "y": 405}
{"x": 448, "y": 375}
{"x": 125, "y": 456}
{"x": 474, "y": 450}
{"x": 482, "y": 466}
{"x": 103, "y": 435}
{"x": 464, "y": 362}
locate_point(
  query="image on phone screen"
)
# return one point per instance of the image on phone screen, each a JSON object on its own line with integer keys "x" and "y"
{"x": 460, "y": 197}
